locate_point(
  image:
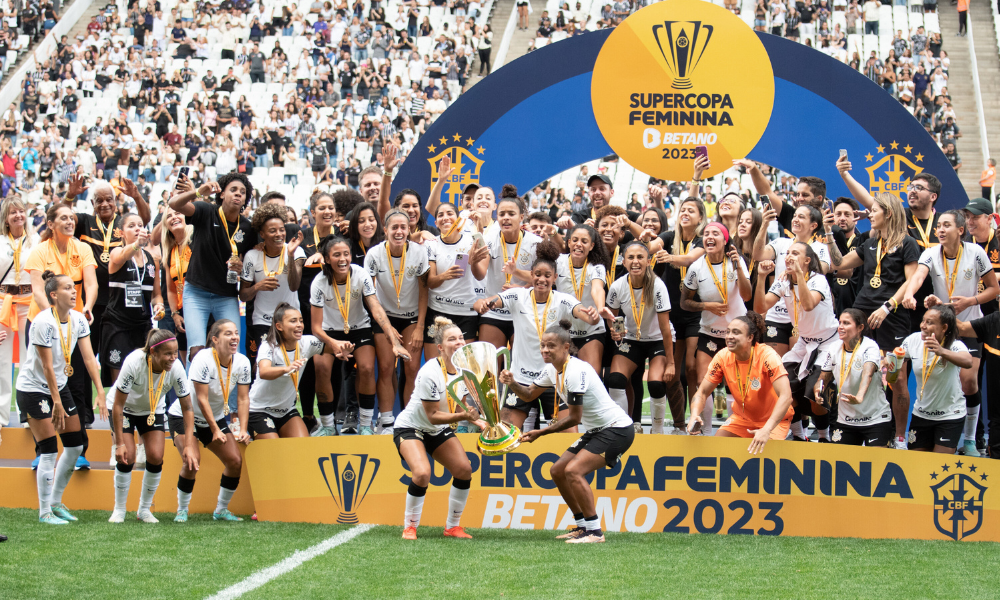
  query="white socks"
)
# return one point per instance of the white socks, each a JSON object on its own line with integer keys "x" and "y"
{"x": 327, "y": 421}
{"x": 64, "y": 470}
{"x": 619, "y": 396}
{"x": 366, "y": 417}
{"x": 797, "y": 430}
{"x": 44, "y": 477}
{"x": 456, "y": 505}
{"x": 225, "y": 495}
{"x": 183, "y": 500}
{"x": 658, "y": 408}
{"x": 823, "y": 434}
{"x": 414, "y": 508}
{"x": 150, "y": 481}
{"x": 387, "y": 419}
{"x": 971, "y": 420}
{"x": 530, "y": 421}
{"x": 122, "y": 482}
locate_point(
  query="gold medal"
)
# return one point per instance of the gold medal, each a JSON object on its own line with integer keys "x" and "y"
{"x": 65, "y": 341}
{"x": 347, "y": 328}
{"x": 105, "y": 256}
{"x": 981, "y": 288}
{"x": 68, "y": 371}
{"x": 876, "y": 282}
{"x": 107, "y": 233}
{"x": 150, "y": 420}
{"x": 795, "y": 332}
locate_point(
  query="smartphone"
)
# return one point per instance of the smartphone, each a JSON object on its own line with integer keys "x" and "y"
{"x": 181, "y": 174}
{"x": 843, "y": 153}
{"x": 700, "y": 151}
{"x": 618, "y": 325}
{"x": 462, "y": 262}
{"x": 477, "y": 240}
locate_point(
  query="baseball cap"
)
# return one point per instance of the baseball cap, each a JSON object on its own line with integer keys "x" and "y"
{"x": 979, "y": 206}
{"x": 601, "y": 177}
{"x": 470, "y": 189}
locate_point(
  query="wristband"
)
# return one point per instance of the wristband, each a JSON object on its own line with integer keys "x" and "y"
{"x": 386, "y": 173}
{"x": 829, "y": 237}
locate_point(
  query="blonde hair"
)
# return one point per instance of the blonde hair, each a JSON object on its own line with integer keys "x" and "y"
{"x": 11, "y": 203}
{"x": 167, "y": 240}
{"x": 678, "y": 248}
{"x": 895, "y": 221}
{"x": 439, "y": 326}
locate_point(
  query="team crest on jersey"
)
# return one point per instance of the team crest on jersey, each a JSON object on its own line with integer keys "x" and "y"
{"x": 755, "y": 384}
{"x": 348, "y": 478}
{"x": 841, "y": 281}
{"x": 118, "y": 232}
{"x": 44, "y": 404}
{"x": 269, "y": 422}
{"x": 625, "y": 347}
{"x": 125, "y": 423}
{"x": 253, "y": 345}
{"x": 523, "y": 258}
{"x": 968, "y": 274}
{"x": 772, "y": 331}
{"x": 712, "y": 346}
{"x": 511, "y": 400}
{"x": 151, "y": 270}
{"x": 552, "y": 314}
{"x": 958, "y": 500}
{"x": 238, "y": 236}
{"x": 355, "y": 294}
{"x": 911, "y": 436}
{"x": 76, "y": 260}
{"x": 115, "y": 356}
{"x": 731, "y": 276}
{"x": 858, "y": 362}
{"x": 994, "y": 255}
{"x": 411, "y": 272}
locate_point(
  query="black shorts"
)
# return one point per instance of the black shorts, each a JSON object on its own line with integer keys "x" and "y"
{"x": 118, "y": 341}
{"x": 358, "y": 337}
{"x": 974, "y": 346}
{"x": 879, "y": 435}
{"x": 639, "y": 352}
{"x": 132, "y": 423}
{"x": 610, "y": 443}
{"x": 398, "y": 323}
{"x": 925, "y": 434}
{"x": 545, "y": 403}
{"x": 580, "y": 342}
{"x": 469, "y": 324}
{"x": 777, "y": 333}
{"x": 686, "y": 324}
{"x": 891, "y": 332}
{"x": 203, "y": 434}
{"x": 431, "y": 441}
{"x": 710, "y": 345}
{"x": 506, "y": 327}
{"x": 38, "y": 406}
{"x": 265, "y": 422}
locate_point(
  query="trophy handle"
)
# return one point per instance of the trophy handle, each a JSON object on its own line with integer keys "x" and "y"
{"x": 505, "y": 354}
{"x": 455, "y": 394}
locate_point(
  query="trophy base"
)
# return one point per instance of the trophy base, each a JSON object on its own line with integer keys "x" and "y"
{"x": 499, "y": 439}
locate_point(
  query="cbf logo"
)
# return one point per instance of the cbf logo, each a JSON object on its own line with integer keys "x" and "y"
{"x": 892, "y": 172}
{"x": 682, "y": 44}
{"x": 958, "y": 501}
{"x": 466, "y": 162}
{"x": 348, "y": 477}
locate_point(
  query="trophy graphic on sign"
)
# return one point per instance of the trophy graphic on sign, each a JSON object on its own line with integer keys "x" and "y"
{"x": 477, "y": 362}
{"x": 348, "y": 477}
{"x": 682, "y": 48}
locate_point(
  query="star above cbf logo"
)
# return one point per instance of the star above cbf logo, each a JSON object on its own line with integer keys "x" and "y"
{"x": 958, "y": 498}
{"x": 467, "y": 160}
{"x": 891, "y": 168}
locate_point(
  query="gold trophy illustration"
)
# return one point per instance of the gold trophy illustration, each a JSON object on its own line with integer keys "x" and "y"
{"x": 477, "y": 362}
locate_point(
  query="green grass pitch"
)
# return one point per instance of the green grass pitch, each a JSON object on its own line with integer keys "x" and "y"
{"x": 94, "y": 559}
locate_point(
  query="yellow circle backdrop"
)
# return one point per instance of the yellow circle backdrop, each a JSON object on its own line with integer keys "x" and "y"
{"x": 677, "y": 75}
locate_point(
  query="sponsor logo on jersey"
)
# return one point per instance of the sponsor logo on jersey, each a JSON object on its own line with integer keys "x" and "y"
{"x": 348, "y": 478}
{"x": 958, "y": 500}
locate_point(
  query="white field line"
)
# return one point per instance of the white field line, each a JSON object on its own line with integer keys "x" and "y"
{"x": 263, "y": 576}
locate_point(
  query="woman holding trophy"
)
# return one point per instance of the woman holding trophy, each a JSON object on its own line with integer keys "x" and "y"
{"x": 428, "y": 427}
{"x": 609, "y": 431}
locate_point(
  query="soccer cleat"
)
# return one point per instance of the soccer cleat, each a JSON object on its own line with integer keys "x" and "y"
{"x": 182, "y": 516}
{"x": 462, "y": 429}
{"x": 254, "y": 517}
{"x": 678, "y": 431}
{"x": 348, "y": 430}
{"x": 146, "y": 517}
{"x": 410, "y": 533}
{"x": 383, "y": 430}
{"x": 366, "y": 430}
{"x": 62, "y": 512}
{"x": 796, "y": 438}
{"x": 823, "y": 441}
{"x": 82, "y": 464}
{"x": 117, "y": 516}
{"x": 572, "y": 533}
{"x": 637, "y": 427}
{"x": 225, "y": 515}
{"x": 588, "y": 538}
{"x": 323, "y": 432}
{"x": 455, "y": 532}
{"x": 51, "y": 519}
{"x": 900, "y": 443}
{"x": 34, "y": 463}
{"x": 969, "y": 448}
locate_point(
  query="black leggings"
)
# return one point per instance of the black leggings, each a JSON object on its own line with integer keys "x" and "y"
{"x": 963, "y": 21}
{"x": 484, "y": 60}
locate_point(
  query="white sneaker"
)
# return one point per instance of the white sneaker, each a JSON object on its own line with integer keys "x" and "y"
{"x": 117, "y": 516}
{"x": 383, "y": 430}
{"x": 900, "y": 443}
{"x": 146, "y": 517}
{"x": 678, "y": 431}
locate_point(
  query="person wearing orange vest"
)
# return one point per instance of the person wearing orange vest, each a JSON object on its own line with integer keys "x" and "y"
{"x": 988, "y": 178}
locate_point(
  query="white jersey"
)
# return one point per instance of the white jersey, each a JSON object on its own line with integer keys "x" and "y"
{"x": 941, "y": 399}
{"x": 264, "y": 303}
{"x": 31, "y": 377}
{"x": 378, "y": 264}
{"x": 779, "y": 313}
{"x": 526, "y": 359}
{"x": 581, "y": 385}
{"x": 495, "y": 278}
{"x": 8, "y": 270}
{"x": 972, "y": 265}
{"x": 454, "y": 296}
{"x": 203, "y": 370}
{"x": 874, "y": 407}
{"x": 429, "y": 385}
{"x": 564, "y": 283}
{"x": 322, "y": 295}
{"x": 817, "y": 324}
{"x": 277, "y": 396}
{"x": 649, "y": 329}
{"x": 699, "y": 279}
{"x": 133, "y": 380}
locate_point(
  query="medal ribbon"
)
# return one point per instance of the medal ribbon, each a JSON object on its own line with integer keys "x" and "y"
{"x": 844, "y": 361}
{"x": 925, "y": 234}
{"x": 795, "y": 306}
{"x": 154, "y": 393}
{"x": 177, "y": 257}
{"x": 685, "y": 248}
{"x": 560, "y": 385}
{"x": 17, "y": 256}
{"x": 225, "y": 225}
{"x": 637, "y": 314}
{"x": 108, "y": 233}
{"x": 609, "y": 277}
{"x": 744, "y": 383}
{"x": 224, "y": 384}
{"x": 879, "y": 255}
{"x": 344, "y": 306}
{"x": 452, "y": 401}
{"x": 540, "y": 327}
{"x": 454, "y": 226}
{"x": 281, "y": 263}
{"x": 583, "y": 278}
{"x": 926, "y": 373}
{"x": 64, "y": 342}
{"x": 949, "y": 279}
{"x": 517, "y": 250}
{"x": 398, "y": 285}
{"x": 723, "y": 291}
{"x": 294, "y": 374}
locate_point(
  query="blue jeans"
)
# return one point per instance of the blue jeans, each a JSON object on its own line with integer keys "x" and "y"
{"x": 133, "y": 174}
{"x": 287, "y": 31}
{"x": 261, "y": 161}
{"x": 165, "y": 172}
{"x": 198, "y": 305}
{"x": 412, "y": 32}
{"x": 150, "y": 175}
{"x": 292, "y": 179}
{"x": 71, "y": 117}
{"x": 360, "y": 53}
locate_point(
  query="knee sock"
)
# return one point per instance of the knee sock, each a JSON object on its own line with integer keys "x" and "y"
{"x": 367, "y": 404}
{"x": 657, "y": 404}
{"x": 326, "y": 414}
{"x": 184, "y": 488}
{"x": 414, "y": 505}
{"x": 227, "y": 487}
{"x": 530, "y": 421}
{"x": 123, "y": 480}
{"x": 592, "y": 524}
{"x": 796, "y": 428}
{"x": 578, "y": 517}
{"x": 386, "y": 419}
{"x": 150, "y": 481}
{"x": 971, "y": 419}
{"x": 46, "y": 474}
{"x": 72, "y": 448}
{"x": 456, "y": 501}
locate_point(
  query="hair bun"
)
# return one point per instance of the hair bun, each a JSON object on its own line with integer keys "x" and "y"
{"x": 509, "y": 190}
{"x": 47, "y": 275}
{"x": 565, "y": 324}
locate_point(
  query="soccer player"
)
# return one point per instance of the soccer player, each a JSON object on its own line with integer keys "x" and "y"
{"x": 428, "y": 427}
{"x": 147, "y": 374}
{"x": 215, "y": 373}
{"x": 583, "y": 273}
{"x": 762, "y": 396}
{"x": 43, "y": 379}
{"x": 609, "y": 431}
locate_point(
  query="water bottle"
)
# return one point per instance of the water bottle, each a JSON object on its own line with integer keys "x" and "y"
{"x": 895, "y": 362}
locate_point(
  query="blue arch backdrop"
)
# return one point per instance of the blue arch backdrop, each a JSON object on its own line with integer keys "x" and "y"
{"x": 533, "y": 119}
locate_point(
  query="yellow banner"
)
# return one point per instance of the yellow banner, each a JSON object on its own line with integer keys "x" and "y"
{"x": 664, "y": 483}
